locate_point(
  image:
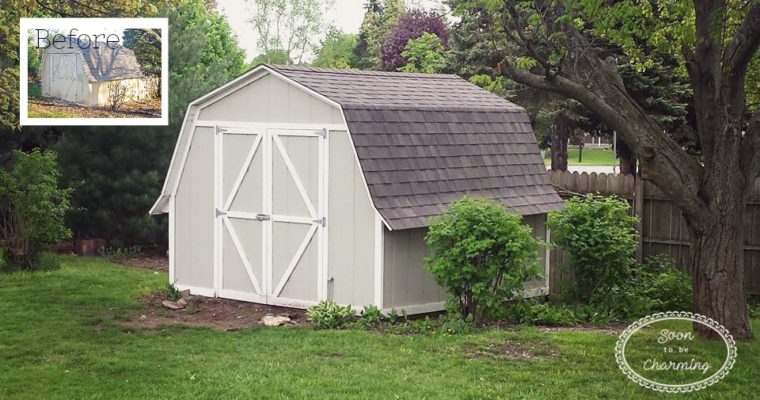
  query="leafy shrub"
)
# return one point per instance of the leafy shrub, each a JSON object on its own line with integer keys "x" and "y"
{"x": 118, "y": 254}
{"x": 481, "y": 254}
{"x": 372, "y": 315}
{"x": 172, "y": 293}
{"x": 599, "y": 236}
{"x": 329, "y": 315}
{"x": 532, "y": 312}
{"x": 32, "y": 206}
{"x": 666, "y": 288}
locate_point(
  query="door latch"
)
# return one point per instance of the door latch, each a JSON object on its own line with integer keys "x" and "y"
{"x": 263, "y": 217}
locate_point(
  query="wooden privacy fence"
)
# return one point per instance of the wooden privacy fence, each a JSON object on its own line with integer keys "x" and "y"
{"x": 661, "y": 227}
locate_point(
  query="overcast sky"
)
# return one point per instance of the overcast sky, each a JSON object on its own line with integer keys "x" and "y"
{"x": 346, "y": 15}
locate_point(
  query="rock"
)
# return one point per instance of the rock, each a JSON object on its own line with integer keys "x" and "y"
{"x": 271, "y": 320}
{"x": 186, "y": 294}
{"x": 182, "y": 302}
{"x": 143, "y": 317}
{"x": 172, "y": 305}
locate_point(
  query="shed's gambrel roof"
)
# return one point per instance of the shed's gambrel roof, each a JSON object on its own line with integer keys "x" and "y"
{"x": 106, "y": 62}
{"x": 424, "y": 141}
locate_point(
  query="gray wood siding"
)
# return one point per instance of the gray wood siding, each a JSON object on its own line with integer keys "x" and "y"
{"x": 270, "y": 99}
{"x": 350, "y": 223}
{"x": 538, "y": 224}
{"x": 194, "y": 217}
{"x": 406, "y": 281}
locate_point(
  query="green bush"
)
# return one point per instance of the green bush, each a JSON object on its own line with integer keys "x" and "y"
{"x": 329, "y": 315}
{"x": 666, "y": 288}
{"x": 371, "y": 315}
{"x": 598, "y": 235}
{"x": 172, "y": 293}
{"x": 32, "y": 206}
{"x": 532, "y": 312}
{"x": 481, "y": 254}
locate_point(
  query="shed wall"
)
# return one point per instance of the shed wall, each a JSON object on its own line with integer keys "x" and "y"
{"x": 271, "y": 99}
{"x": 194, "y": 217}
{"x": 350, "y": 226}
{"x": 405, "y": 280}
{"x": 98, "y": 91}
{"x": 538, "y": 224}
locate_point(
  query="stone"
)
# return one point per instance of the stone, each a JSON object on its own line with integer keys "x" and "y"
{"x": 186, "y": 294}
{"x": 172, "y": 305}
{"x": 182, "y": 302}
{"x": 271, "y": 320}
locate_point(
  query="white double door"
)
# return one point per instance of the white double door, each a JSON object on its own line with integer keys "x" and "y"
{"x": 271, "y": 215}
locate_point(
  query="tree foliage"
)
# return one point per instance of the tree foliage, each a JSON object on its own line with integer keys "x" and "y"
{"x": 424, "y": 54}
{"x": 32, "y": 206}
{"x": 289, "y": 26}
{"x": 481, "y": 254}
{"x": 336, "y": 50}
{"x": 379, "y": 18}
{"x": 147, "y": 47}
{"x": 410, "y": 25}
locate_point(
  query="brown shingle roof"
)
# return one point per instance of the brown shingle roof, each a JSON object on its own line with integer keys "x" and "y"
{"x": 425, "y": 141}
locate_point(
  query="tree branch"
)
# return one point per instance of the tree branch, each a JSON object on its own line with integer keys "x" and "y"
{"x": 744, "y": 44}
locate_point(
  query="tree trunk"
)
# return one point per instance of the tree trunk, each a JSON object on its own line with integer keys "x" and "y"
{"x": 717, "y": 271}
{"x": 627, "y": 158}
{"x": 560, "y": 134}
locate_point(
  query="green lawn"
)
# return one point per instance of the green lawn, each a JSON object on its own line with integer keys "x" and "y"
{"x": 591, "y": 156}
{"x": 60, "y": 339}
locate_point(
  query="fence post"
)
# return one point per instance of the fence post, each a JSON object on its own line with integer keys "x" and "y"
{"x": 638, "y": 210}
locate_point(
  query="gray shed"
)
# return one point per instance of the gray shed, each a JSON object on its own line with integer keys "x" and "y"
{"x": 84, "y": 73}
{"x": 292, "y": 185}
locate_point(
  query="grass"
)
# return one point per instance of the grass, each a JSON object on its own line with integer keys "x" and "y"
{"x": 50, "y": 114}
{"x": 591, "y": 156}
{"x": 60, "y": 338}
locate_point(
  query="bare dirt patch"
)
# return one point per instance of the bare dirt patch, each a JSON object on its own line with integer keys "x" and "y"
{"x": 512, "y": 349}
{"x": 152, "y": 262}
{"x": 52, "y": 108}
{"x": 219, "y": 314}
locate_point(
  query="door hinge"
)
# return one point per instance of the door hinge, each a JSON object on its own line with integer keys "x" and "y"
{"x": 322, "y": 221}
{"x": 263, "y": 217}
{"x": 323, "y": 132}
{"x": 219, "y": 212}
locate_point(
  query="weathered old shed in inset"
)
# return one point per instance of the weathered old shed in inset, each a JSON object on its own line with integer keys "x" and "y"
{"x": 292, "y": 185}
{"x": 83, "y": 72}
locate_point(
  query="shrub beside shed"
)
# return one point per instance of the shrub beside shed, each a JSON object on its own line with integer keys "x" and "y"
{"x": 292, "y": 185}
